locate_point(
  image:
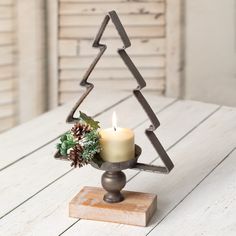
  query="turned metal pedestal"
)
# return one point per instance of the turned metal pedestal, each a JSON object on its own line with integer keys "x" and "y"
{"x": 114, "y": 179}
{"x": 113, "y": 182}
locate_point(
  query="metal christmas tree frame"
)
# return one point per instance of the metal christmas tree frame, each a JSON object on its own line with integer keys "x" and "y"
{"x": 113, "y": 180}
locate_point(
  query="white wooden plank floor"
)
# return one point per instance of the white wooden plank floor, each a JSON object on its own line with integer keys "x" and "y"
{"x": 31, "y": 136}
{"x": 200, "y": 191}
{"x": 214, "y": 212}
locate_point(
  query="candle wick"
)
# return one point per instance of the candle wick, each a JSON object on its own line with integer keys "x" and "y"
{"x": 114, "y": 128}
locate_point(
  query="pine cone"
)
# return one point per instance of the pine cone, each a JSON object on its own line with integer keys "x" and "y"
{"x": 79, "y": 130}
{"x": 75, "y": 156}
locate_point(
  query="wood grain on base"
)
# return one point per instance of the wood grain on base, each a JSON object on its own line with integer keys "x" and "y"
{"x": 136, "y": 209}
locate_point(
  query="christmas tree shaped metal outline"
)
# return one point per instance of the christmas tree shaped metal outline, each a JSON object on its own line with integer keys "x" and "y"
{"x": 168, "y": 165}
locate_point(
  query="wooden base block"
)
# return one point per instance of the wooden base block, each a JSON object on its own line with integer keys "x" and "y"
{"x": 136, "y": 209}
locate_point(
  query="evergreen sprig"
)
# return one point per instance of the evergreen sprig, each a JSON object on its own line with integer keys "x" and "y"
{"x": 91, "y": 145}
{"x": 67, "y": 142}
{"x": 88, "y": 141}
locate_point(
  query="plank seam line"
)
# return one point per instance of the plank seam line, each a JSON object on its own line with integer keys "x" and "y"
{"x": 103, "y": 1}
{"x": 179, "y": 140}
{"x": 102, "y": 67}
{"x": 56, "y": 178}
{"x": 7, "y": 213}
{"x": 68, "y": 227}
{"x": 161, "y": 110}
{"x": 202, "y": 180}
{"x": 47, "y": 143}
{"x": 75, "y": 14}
{"x": 113, "y": 37}
{"x": 183, "y": 137}
{"x": 71, "y": 79}
{"x": 113, "y": 56}
{"x": 102, "y": 15}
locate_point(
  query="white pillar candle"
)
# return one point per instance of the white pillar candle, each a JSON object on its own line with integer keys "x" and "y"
{"x": 117, "y": 144}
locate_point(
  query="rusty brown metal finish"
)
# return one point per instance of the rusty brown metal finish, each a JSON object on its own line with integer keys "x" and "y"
{"x": 168, "y": 165}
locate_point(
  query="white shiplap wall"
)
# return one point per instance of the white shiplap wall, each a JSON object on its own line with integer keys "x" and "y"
{"x": 7, "y": 65}
{"x": 79, "y": 21}
{"x": 152, "y": 25}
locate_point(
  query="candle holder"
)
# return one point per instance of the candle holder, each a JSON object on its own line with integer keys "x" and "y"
{"x": 116, "y": 205}
{"x": 114, "y": 179}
